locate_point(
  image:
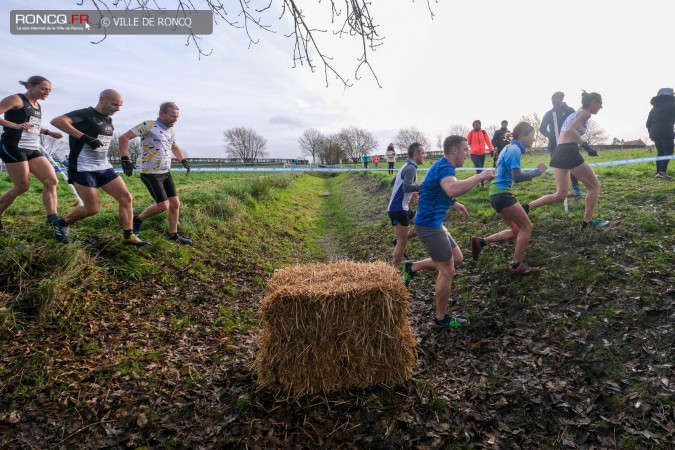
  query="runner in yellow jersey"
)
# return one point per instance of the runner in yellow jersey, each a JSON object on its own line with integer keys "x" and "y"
{"x": 158, "y": 143}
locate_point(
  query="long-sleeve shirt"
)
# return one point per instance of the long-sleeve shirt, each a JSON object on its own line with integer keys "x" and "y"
{"x": 477, "y": 141}
{"x": 405, "y": 184}
{"x": 547, "y": 127}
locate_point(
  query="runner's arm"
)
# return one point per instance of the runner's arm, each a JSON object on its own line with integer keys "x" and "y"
{"x": 545, "y": 125}
{"x": 408, "y": 177}
{"x": 11, "y": 102}
{"x": 123, "y": 142}
{"x": 65, "y": 124}
{"x": 454, "y": 187}
{"x": 176, "y": 151}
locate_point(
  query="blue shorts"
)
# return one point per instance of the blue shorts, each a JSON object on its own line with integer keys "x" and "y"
{"x": 94, "y": 179}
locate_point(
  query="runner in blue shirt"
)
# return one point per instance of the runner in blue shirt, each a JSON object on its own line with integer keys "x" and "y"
{"x": 503, "y": 201}
{"x": 437, "y": 194}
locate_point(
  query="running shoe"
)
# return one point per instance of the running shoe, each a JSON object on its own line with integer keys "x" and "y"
{"x": 451, "y": 322}
{"x": 180, "y": 239}
{"x": 476, "y": 247}
{"x": 134, "y": 240}
{"x": 408, "y": 274}
{"x": 666, "y": 176}
{"x": 60, "y": 230}
{"x": 522, "y": 269}
{"x": 137, "y": 225}
{"x": 595, "y": 223}
{"x": 576, "y": 191}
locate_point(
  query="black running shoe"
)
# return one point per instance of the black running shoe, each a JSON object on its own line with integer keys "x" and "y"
{"x": 180, "y": 239}
{"x": 60, "y": 230}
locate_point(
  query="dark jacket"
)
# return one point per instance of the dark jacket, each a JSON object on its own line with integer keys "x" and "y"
{"x": 498, "y": 140}
{"x": 547, "y": 125}
{"x": 662, "y": 117}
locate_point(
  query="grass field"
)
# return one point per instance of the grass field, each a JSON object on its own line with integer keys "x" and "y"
{"x": 105, "y": 346}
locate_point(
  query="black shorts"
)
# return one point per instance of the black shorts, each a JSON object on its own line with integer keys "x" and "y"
{"x": 93, "y": 179}
{"x": 502, "y": 200}
{"x": 401, "y": 217}
{"x": 160, "y": 185}
{"x": 13, "y": 154}
{"x": 566, "y": 156}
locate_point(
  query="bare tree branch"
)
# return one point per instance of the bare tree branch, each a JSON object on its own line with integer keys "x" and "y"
{"x": 349, "y": 18}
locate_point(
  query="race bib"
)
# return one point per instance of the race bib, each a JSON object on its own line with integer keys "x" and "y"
{"x": 105, "y": 140}
{"x": 34, "y": 125}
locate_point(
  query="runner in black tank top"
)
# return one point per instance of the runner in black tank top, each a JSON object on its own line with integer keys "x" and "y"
{"x": 20, "y": 146}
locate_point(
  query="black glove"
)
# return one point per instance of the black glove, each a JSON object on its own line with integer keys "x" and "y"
{"x": 127, "y": 166}
{"x": 591, "y": 151}
{"x": 185, "y": 164}
{"x": 92, "y": 142}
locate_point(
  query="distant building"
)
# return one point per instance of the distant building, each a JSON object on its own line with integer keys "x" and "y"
{"x": 635, "y": 144}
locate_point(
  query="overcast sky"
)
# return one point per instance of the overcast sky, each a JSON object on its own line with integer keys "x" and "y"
{"x": 487, "y": 60}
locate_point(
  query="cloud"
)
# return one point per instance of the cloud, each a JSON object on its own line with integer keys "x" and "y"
{"x": 281, "y": 120}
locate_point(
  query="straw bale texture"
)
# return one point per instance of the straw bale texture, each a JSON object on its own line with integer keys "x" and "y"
{"x": 329, "y": 327}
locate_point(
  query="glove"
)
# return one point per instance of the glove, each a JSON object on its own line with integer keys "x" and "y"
{"x": 127, "y": 166}
{"x": 92, "y": 142}
{"x": 186, "y": 164}
{"x": 591, "y": 151}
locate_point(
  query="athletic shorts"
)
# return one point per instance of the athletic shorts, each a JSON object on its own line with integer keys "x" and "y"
{"x": 438, "y": 242}
{"x": 502, "y": 200}
{"x": 404, "y": 218}
{"x": 13, "y": 154}
{"x": 566, "y": 156}
{"x": 93, "y": 179}
{"x": 160, "y": 185}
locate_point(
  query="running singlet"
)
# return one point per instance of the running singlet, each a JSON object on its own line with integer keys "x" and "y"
{"x": 25, "y": 139}
{"x": 434, "y": 203}
{"x": 92, "y": 123}
{"x": 570, "y": 119}
{"x": 399, "y": 199}
{"x": 156, "y": 142}
{"x": 509, "y": 159}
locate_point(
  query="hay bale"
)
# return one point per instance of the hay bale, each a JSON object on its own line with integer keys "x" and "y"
{"x": 328, "y": 327}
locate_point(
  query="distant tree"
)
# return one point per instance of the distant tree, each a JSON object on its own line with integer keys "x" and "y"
{"x": 114, "y": 148}
{"x": 490, "y": 130}
{"x": 407, "y": 136}
{"x": 594, "y": 134}
{"x": 55, "y": 147}
{"x": 616, "y": 141}
{"x": 330, "y": 150}
{"x": 356, "y": 142}
{"x": 439, "y": 141}
{"x": 310, "y": 143}
{"x": 245, "y": 144}
{"x": 534, "y": 120}
{"x": 458, "y": 129}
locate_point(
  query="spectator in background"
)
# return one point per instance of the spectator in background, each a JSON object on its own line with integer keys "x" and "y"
{"x": 499, "y": 141}
{"x": 478, "y": 140}
{"x": 376, "y": 160}
{"x": 552, "y": 123}
{"x": 660, "y": 125}
{"x": 365, "y": 161}
{"x": 391, "y": 158}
